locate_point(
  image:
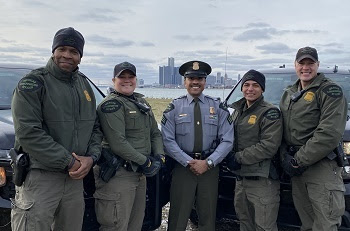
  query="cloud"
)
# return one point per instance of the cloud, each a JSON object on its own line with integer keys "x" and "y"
{"x": 107, "y": 42}
{"x": 257, "y": 24}
{"x": 147, "y": 44}
{"x": 191, "y": 37}
{"x": 275, "y": 48}
{"x": 99, "y": 16}
{"x": 256, "y": 34}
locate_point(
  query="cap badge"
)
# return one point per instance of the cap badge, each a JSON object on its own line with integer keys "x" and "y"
{"x": 88, "y": 98}
{"x": 195, "y": 66}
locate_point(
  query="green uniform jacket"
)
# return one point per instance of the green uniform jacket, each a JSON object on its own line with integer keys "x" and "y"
{"x": 130, "y": 133}
{"x": 258, "y": 132}
{"x": 54, "y": 113}
{"x": 315, "y": 122}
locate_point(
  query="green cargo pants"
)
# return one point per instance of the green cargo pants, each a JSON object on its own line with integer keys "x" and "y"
{"x": 48, "y": 200}
{"x": 318, "y": 196}
{"x": 187, "y": 189}
{"x": 256, "y": 203}
{"x": 120, "y": 204}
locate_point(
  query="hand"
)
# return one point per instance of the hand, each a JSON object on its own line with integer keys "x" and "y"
{"x": 150, "y": 167}
{"x": 86, "y": 163}
{"x": 76, "y": 165}
{"x": 289, "y": 166}
{"x": 198, "y": 167}
{"x": 231, "y": 162}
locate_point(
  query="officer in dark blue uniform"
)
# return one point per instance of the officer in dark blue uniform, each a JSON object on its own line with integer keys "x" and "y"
{"x": 198, "y": 134}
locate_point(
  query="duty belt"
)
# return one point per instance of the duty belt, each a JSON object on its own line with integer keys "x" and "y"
{"x": 199, "y": 155}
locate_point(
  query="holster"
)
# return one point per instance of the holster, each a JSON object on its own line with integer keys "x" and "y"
{"x": 338, "y": 155}
{"x": 20, "y": 166}
{"x": 109, "y": 164}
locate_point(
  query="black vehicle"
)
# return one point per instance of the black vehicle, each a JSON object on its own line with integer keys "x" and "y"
{"x": 276, "y": 81}
{"x": 9, "y": 77}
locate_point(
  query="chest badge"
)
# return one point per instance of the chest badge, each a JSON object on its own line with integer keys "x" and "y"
{"x": 309, "y": 96}
{"x": 88, "y": 98}
{"x": 182, "y": 115}
{"x": 211, "y": 110}
{"x": 252, "y": 119}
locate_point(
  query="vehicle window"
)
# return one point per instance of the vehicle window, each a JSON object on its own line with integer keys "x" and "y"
{"x": 9, "y": 77}
{"x": 277, "y": 82}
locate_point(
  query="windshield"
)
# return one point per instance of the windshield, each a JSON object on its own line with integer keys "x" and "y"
{"x": 277, "y": 82}
{"x": 9, "y": 78}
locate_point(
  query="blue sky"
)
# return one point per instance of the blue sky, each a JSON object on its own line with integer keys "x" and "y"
{"x": 255, "y": 33}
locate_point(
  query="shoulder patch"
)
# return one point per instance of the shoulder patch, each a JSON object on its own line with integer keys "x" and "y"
{"x": 111, "y": 106}
{"x": 333, "y": 91}
{"x": 229, "y": 119}
{"x": 169, "y": 108}
{"x": 272, "y": 114}
{"x": 29, "y": 83}
{"x": 223, "y": 107}
{"x": 164, "y": 120}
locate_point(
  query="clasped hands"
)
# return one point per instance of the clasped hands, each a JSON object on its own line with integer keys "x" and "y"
{"x": 198, "y": 167}
{"x": 81, "y": 166}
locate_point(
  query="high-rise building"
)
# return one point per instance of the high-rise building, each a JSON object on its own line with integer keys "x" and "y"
{"x": 169, "y": 75}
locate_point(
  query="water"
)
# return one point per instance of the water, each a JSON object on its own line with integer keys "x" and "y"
{"x": 174, "y": 93}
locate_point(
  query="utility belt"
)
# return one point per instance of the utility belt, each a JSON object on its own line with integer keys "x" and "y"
{"x": 199, "y": 155}
{"x": 126, "y": 165}
{"x": 337, "y": 154}
{"x": 239, "y": 178}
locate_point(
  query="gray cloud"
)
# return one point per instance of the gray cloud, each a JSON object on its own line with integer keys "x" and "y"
{"x": 107, "y": 42}
{"x": 257, "y": 24}
{"x": 190, "y": 37}
{"x": 256, "y": 34}
{"x": 274, "y": 48}
{"x": 147, "y": 44}
{"x": 99, "y": 15}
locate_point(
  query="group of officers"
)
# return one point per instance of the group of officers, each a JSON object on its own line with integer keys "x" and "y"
{"x": 56, "y": 123}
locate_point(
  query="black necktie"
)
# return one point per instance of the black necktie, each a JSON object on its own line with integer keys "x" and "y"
{"x": 198, "y": 132}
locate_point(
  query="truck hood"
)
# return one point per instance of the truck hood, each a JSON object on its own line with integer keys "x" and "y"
{"x": 7, "y": 132}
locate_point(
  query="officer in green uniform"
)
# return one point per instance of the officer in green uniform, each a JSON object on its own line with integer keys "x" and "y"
{"x": 314, "y": 113}
{"x": 132, "y": 138}
{"x": 198, "y": 134}
{"x": 258, "y": 135}
{"x": 54, "y": 113}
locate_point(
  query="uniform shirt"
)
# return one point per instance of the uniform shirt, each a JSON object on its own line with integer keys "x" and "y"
{"x": 258, "y": 133}
{"x": 178, "y": 128}
{"x": 54, "y": 114}
{"x": 130, "y": 133}
{"x": 315, "y": 122}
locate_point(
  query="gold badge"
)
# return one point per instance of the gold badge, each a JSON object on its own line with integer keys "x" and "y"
{"x": 252, "y": 119}
{"x": 309, "y": 96}
{"x": 195, "y": 66}
{"x": 132, "y": 112}
{"x": 211, "y": 110}
{"x": 88, "y": 98}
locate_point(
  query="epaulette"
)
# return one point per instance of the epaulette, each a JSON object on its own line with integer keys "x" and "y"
{"x": 213, "y": 98}
{"x": 180, "y": 97}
